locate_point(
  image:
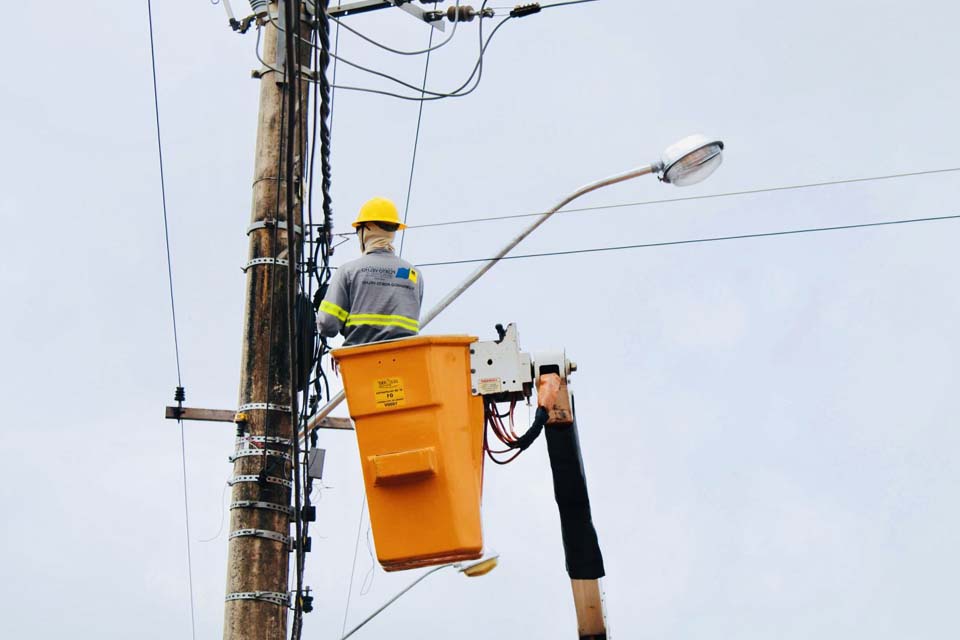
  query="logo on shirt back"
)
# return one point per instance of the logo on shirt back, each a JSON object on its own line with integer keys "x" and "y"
{"x": 407, "y": 274}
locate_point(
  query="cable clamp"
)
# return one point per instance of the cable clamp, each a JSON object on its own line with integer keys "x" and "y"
{"x": 265, "y": 406}
{"x": 253, "y": 478}
{"x": 282, "y": 599}
{"x": 280, "y": 262}
{"x": 249, "y": 453}
{"x": 262, "y": 533}
{"x": 257, "y": 504}
{"x": 270, "y": 223}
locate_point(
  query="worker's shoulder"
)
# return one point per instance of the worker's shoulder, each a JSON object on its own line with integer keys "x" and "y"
{"x": 374, "y": 261}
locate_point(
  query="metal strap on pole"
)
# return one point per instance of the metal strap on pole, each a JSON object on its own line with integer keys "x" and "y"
{"x": 261, "y": 533}
{"x": 259, "y": 504}
{"x": 264, "y": 406}
{"x": 269, "y": 479}
{"x": 281, "y": 599}
{"x": 249, "y": 453}
{"x": 280, "y": 262}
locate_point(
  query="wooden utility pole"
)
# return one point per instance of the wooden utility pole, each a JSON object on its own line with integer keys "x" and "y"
{"x": 260, "y": 513}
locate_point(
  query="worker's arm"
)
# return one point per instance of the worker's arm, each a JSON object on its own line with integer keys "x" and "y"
{"x": 334, "y": 308}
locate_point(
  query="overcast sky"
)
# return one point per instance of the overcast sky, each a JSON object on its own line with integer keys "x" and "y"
{"x": 768, "y": 426}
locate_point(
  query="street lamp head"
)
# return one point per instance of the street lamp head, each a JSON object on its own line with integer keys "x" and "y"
{"x": 480, "y": 568}
{"x": 690, "y": 160}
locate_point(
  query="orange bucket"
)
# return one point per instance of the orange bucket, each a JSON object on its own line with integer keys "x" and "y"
{"x": 420, "y": 434}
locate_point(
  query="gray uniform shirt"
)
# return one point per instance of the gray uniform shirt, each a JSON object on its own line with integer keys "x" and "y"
{"x": 375, "y": 297}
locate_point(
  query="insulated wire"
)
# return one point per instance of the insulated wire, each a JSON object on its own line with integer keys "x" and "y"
{"x": 429, "y": 48}
{"x": 434, "y": 95}
{"x": 728, "y": 194}
{"x": 702, "y": 240}
{"x": 563, "y": 4}
{"x": 173, "y": 311}
{"x": 416, "y": 144}
{"x": 387, "y": 76}
{"x": 458, "y": 93}
{"x": 333, "y": 81}
{"x": 292, "y": 98}
{"x": 353, "y": 569}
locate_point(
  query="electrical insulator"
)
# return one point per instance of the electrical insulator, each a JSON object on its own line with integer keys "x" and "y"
{"x": 259, "y": 6}
{"x": 461, "y": 14}
{"x": 466, "y": 13}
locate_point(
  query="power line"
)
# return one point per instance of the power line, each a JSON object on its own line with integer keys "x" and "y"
{"x": 457, "y": 93}
{"x": 353, "y": 569}
{"x": 563, "y": 4}
{"x": 430, "y": 47}
{"x": 416, "y": 143}
{"x": 728, "y": 194}
{"x": 434, "y": 95}
{"x": 745, "y": 236}
{"x": 173, "y": 311}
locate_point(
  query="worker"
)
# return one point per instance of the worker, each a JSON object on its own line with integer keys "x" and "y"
{"x": 377, "y": 296}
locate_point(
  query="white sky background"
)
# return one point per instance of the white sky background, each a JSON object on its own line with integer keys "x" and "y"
{"x": 768, "y": 426}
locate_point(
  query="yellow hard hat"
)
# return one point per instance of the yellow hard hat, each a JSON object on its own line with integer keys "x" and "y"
{"x": 379, "y": 210}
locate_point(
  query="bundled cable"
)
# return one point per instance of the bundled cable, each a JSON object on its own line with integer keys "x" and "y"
{"x": 507, "y": 434}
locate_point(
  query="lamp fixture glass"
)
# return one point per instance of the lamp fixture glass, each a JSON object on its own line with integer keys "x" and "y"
{"x": 690, "y": 160}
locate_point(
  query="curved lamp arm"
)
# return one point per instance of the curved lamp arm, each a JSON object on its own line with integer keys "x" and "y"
{"x": 486, "y": 266}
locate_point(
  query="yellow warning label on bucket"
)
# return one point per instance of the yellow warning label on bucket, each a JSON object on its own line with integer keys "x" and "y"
{"x": 388, "y": 392}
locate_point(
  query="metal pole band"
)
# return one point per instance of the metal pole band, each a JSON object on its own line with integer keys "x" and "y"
{"x": 269, "y": 506}
{"x": 265, "y": 440}
{"x": 270, "y": 480}
{"x": 249, "y": 453}
{"x": 282, "y": 599}
{"x": 264, "y": 406}
{"x": 280, "y": 262}
{"x": 262, "y": 533}
{"x": 270, "y": 224}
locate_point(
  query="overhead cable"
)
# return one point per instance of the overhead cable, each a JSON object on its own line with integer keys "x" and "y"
{"x": 293, "y": 148}
{"x": 416, "y": 145}
{"x": 564, "y": 4}
{"x": 728, "y": 194}
{"x": 745, "y": 236}
{"x": 432, "y": 95}
{"x": 173, "y": 313}
{"x": 429, "y": 48}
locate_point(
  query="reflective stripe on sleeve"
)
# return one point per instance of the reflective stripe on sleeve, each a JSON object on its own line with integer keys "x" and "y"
{"x": 337, "y": 312}
{"x": 410, "y": 324}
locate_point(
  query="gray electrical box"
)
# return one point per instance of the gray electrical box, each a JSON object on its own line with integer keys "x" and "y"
{"x": 315, "y": 460}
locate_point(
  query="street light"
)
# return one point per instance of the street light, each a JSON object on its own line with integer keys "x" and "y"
{"x": 690, "y": 160}
{"x": 472, "y": 570}
{"x": 685, "y": 162}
